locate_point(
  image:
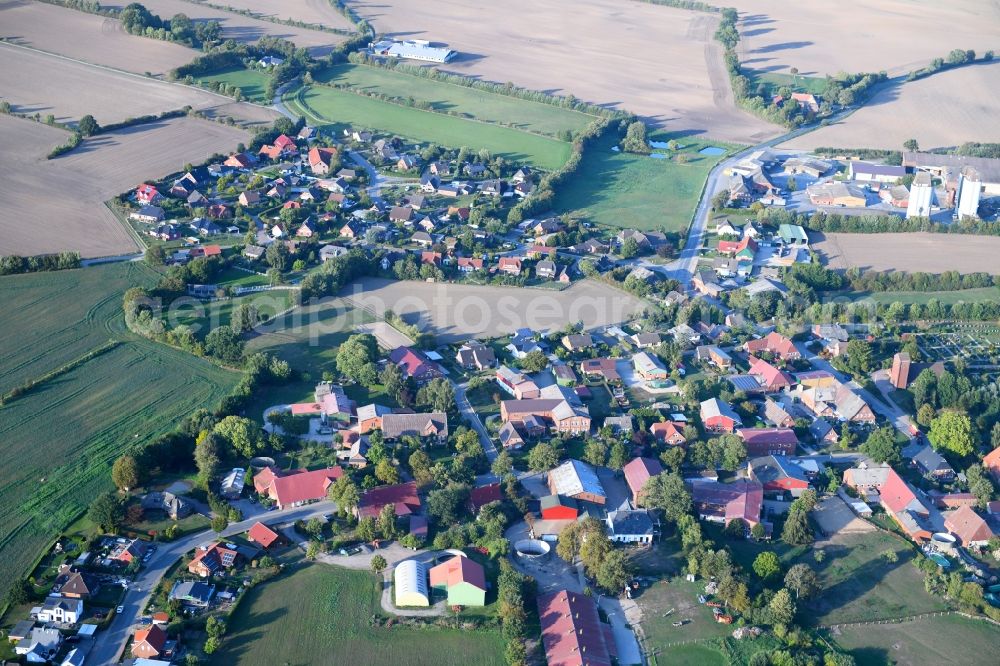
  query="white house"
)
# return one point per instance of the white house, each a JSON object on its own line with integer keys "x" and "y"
{"x": 39, "y": 646}
{"x": 60, "y": 609}
{"x": 627, "y": 525}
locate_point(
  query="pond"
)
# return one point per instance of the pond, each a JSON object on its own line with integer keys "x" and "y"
{"x": 712, "y": 150}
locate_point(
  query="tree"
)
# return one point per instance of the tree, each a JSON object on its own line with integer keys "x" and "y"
{"x": 420, "y": 467}
{"x": 225, "y": 344}
{"x": 926, "y": 414}
{"x": 766, "y": 565}
{"x": 20, "y": 592}
{"x": 387, "y": 521}
{"x": 782, "y": 607}
{"x": 367, "y": 529}
{"x": 356, "y": 359}
{"x": 666, "y": 491}
{"x": 802, "y": 580}
{"x": 635, "y": 138}
{"x": 438, "y": 394}
{"x": 618, "y": 456}
{"x": 107, "y": 512}
{"x": 345, "y": 493}
{"x": 979, "y": 484}
{"x": 859, "y": 356}
{"x": 386, "y": 472}
{"x": 911, "y": 144}
{"x": 534, "y": 361}
{"x": 277, "y": 256}
{"x": 88, "y": 126}
{"x": 503, "y": 464}
{"x": 220, "y": 523}
{"x": 206, "y": 457}
{"x": 378, "y": 565}
{"x": 242, "y": 435}
{"x": 125, "y": 473}
{"x": 447, "y": 504}
{"x": 244, "y": 318}
{"x": 393, "y": 381}
{"x": 155, "y": 256}
{"x": 796, "y": 531}
{"x": 952, "y": 431}
{"x": 881, "y": 446}
{"x": 595, "y": 452}
{"x": 542, "y": 457}
{"x": 758, "y": 532}
{"x": 629, "y": 249}
{"x": 614, "y": 571}
{"x": 734, "y": 452}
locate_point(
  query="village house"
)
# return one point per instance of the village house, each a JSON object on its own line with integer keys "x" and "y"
{"x": 637, "y": 472}
{"x": 148, "y": 214}
{"x": 601, "y": 367}
{"x": 545, "y": 269}
{"x": 209, "y": 560}
{"x": 80, "y": 585}
{"x": 775, "y": 344}
{"x": 295, "y": 487}
{"x": 509, "y": 265}
{"x": 469, "y": 264}
{"x": 778, "y": 474}
{"x": 718, "y": 416}
{"x": 59, "y": 609}
{"x": 321, "y": 160}
{"x": 509, "y": 436}
{"x": 668, "y": 432}
{"x": 645, "y": 340}
{"x": 769, "y": 441}
{"x": 263, "y": 536}
{"x": 968, "y": 527}
{"x": 770, "y": 378}
{"x": 402, "y": 496}
{"x": 776, "y": 414}
{"x": 415, "y": 365}
{"x": 649, "y": 368}
{"x": 577, "y": 341}
{"x": 149, "y": 643}
{"x": 714, "y": 355}
{"x": 556, "y": 413}
{"x": 725, "y": 502}
{"x": 476, "y": 355}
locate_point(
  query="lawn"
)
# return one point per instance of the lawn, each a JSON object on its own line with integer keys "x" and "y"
{"x": 979, "y": 295}
{"x": 66, "y": 432}
{"x": 203, "y": 317}
{"x": 630, "y": 191}
{"x": 320, "y": 614}
{"x": 252, "y": 83}
{"x": 339, "y": 109}
{"x": 682, "y": 596}
{"x": 950, "y": 639}
{"x": 453, "y": 98}
{"x": 773, "y": 81}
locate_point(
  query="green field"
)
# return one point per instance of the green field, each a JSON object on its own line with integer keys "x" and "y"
{"x": 453, "y": 98}
{"x": 61, "y": 437}
{"x": 338, "y": 109}
{"x": 630, "y": 191}
{"x": 979, "y": 295}
{"x": 251, "y": 82}
{"x": 318, "y": 614}
{"x": 949, "y": 639}
{"x": 773, "y": 81}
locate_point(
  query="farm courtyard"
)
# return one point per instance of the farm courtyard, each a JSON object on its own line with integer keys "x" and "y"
{"x": 316, "y": 609}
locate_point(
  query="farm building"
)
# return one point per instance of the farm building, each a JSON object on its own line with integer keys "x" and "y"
{"x": 299, "y": 487}
{"x": 463, "y": 580}
{"x": 968, "y": 526}
{"x": 943, "y": 165}
{"x": 921, "y": 196}
{"x": 578, "y": 480}
{"x": 410, "y": 578}
{"x": 571, "y": 628}
{"x": 637, "y": 472}
{"x": 554, "y": 507}
{"x": 402, "y": 495}
{"x": 627, "y": 525}
{"x": 877, "y": 173}
{"x": 432, "y": 426}
{"x": 809, "y": 166}
{"x": 970, "y": 188}
{"x": 833, "y": 193}
{"x": 414, "y": 49}
{"x": 769, "y": 441}
{"x": 793, "y": 234}
{"x": 726, "y": 502}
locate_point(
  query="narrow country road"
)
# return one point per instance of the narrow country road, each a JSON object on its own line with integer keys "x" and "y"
{"x": 470, "y": 415}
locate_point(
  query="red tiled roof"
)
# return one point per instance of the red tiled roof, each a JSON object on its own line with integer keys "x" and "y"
{"x": 304, "y": 486}
{"x": 302, "y": 408}
{"x": 967, "y": 525}
{"x": 666, "y": 430}
{"x": 992, "y": 462}
{"x": 458, "y": 570}
{"x": 262, "y": 534}
{"x": 412, "y": 363}
{"x": 639, "y": 470}
{"x": 149, "y": 641}
{"x": 402, "y": 495}
{"x": 768, "y": 436}
{"x": 318, "y": 156}
{"x": 483, "y": 495}
{"x": 741, "y": 499}
{"x": 571, "y": 630}
{"x": 774, "y": 343}
{"x": 896, "y": 495}
{"x": 284, "y": 142}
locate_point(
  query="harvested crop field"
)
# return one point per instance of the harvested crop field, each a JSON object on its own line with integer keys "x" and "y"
{"x": 318, "y": 12}
{"x": 940, "y": 111}
{"x": 244, "y": 28}
{"x": 856, "y": 36}
{"x": 73, "y": 89}
{"x": 911, "y": 253}
{"x": 87, "y": 37}
{"x": 57, "y": 205}
{"x": 658, "y": 62}
{"x": 456, "y": 312}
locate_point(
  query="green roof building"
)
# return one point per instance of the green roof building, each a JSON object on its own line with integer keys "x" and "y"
{"x": 463, "y": 579}
{"x": 793, "y": 234}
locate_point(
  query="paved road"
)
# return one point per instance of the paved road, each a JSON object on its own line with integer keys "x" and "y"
{"x": 472, "y": 418}
{"x": 376, "y": 180}
{"x": 110, "y": 642}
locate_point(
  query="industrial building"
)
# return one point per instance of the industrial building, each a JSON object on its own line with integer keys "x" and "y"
{"x": 970, "y": 188}
{"x": 410, "y": 578}
{"x": 921, "y": 195}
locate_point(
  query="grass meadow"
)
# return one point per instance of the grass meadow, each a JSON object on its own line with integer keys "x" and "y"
{"x": 340, "y": 109}
{"x": 980, "y": 295}
{"x": 251, "y": 83}
{"x": 453, "y": 98}
{"x": 629, "y": 191}
{"x": 62, "y": 436}
{"x": 928, "y": 641}
{"x": 320, "y": 614}
{"x": 774, "y": 81}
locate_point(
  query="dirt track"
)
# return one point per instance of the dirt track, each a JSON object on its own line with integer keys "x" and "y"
{"x": 655, "y": 61}
{"x": 911, "y": 253}
{"x": 57, "y": 205}
{"x": 87, "y": 37}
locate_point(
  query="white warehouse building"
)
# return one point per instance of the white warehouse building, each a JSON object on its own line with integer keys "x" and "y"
{"x": 414, "y": 49}
{"x": 410, "y": 578}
